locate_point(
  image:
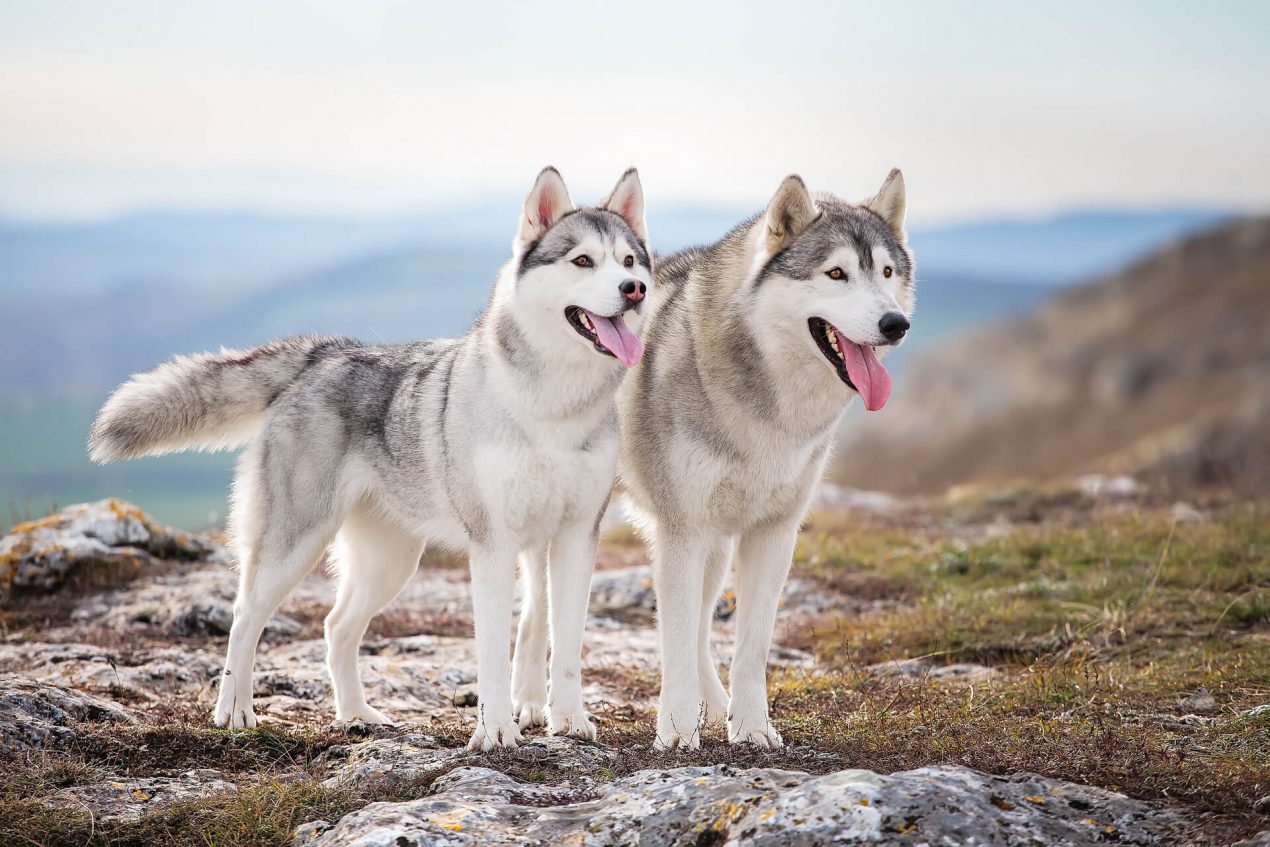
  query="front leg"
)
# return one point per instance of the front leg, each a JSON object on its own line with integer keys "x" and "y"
{"x": 493, "y": 590}
{"x": 678, "y": 578}
{"x": 529, "y": 661}
{"x": 713, "y": 694}
{"x": 762, "y": 563}
{"x": 570, "y": 563}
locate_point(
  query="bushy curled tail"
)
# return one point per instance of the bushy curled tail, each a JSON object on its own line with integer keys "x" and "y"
{"x": 210, "y": 401}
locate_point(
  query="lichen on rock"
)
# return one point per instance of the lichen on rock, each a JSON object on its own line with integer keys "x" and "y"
{"x": 111, "y": 539}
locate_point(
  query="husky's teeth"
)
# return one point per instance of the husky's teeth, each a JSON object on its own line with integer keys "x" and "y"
{"x": 833, "y": 341}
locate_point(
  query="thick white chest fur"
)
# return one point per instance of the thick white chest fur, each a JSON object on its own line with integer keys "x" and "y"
{"x": 535, "y": 489}
{"x": 732, "y": 494}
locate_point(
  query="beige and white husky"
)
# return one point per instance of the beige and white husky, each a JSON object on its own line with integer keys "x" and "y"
{"x": 755, "y": 347}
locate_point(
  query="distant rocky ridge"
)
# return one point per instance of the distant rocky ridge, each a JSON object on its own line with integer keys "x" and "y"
{"x": 1162, "y": 371}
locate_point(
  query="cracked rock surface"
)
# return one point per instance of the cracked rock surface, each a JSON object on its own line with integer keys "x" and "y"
{"x": 36, "y": 715}
{"x": 719, "y": 805}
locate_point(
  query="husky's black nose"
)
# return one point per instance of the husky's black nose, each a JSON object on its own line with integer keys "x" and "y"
{"x": 633, "y": 290}
{"x": 893, "y": 326}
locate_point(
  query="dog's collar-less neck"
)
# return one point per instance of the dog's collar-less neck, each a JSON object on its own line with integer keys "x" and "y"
{"x": 554, "y": 387}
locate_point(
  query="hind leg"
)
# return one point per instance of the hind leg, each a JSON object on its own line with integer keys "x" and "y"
{"x": 713, "y": 694}
{"x": 275, "y": 551}
{"x": 375, "y": 560}
{"x": 529, "y": 661}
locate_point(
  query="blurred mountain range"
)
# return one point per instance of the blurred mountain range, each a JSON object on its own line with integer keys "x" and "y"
{"x": 1161, "y": 370}
{"x": 88, "y": 304}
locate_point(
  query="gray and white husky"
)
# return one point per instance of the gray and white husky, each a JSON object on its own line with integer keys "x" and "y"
{"x": 755, "y": 347}
{"x": 503, "y": 442}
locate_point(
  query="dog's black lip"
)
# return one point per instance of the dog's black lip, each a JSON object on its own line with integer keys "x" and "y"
{"x": 817, "y": 327}
{"x": 573, "y": 314}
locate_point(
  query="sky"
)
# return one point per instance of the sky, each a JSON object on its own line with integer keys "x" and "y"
{"x": 992, "y": 108}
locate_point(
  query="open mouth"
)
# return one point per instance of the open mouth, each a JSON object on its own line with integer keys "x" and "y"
{"x": 856, "y": 364}
{"x": 608, "y": 335}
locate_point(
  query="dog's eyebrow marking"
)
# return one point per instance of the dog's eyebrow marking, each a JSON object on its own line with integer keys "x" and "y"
{"x": 863, "y": 249}
{"x": 569, "y": 232}
{"x": 550, "y": 249}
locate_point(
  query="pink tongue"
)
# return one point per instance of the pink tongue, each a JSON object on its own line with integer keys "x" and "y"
{"x": 867, "y": 372}
{"x": 617, "y": 339}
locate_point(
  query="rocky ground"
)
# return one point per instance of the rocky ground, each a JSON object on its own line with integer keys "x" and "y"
{"x": 1075, "y": 666}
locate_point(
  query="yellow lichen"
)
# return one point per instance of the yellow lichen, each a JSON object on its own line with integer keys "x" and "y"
{"x": 32, "y": 526}
{"x": 451, "y": 820}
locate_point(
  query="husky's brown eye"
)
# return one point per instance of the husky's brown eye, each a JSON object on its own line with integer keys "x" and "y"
{"x": 836, "y": 273}
{"x": 629, "y": 262}
{"x": 583, "y": 261}
{"x": 886, "y": 272}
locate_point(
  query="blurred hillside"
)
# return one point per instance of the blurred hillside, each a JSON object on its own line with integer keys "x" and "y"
{"x": 89, "y": 304}
{"x": 1162, "y": 370}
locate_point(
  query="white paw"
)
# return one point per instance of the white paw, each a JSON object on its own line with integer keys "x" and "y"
{"x": 489, "y": 736}
{"x": 759, "y": 733}
{"x": 364, "y": 713}
{"x": 716, "y": 706}
{"x": 679, "y": 727}
{"x": 575, "y": 723}
{"x": 233, "y": 703}
{"x": 236, "y": 719}
{"x": 528, "y": 692}
{"x": 669, "y": 739}
{"x": 529, "y": 715}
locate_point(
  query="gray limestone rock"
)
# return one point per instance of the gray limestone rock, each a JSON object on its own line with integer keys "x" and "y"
{"x": 128, "y": 798}
{"x": 945, "y": 805}
{"x": 38, "y": 715}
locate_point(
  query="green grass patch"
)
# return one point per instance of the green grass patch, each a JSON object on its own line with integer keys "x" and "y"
{"x": 1134, "y": 583}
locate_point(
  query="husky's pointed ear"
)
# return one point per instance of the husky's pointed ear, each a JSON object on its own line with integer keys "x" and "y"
{"x": 791, "y": 211}
{"x": 627, "y": 200}
{"x": 547, "y": 203}
{"x": 889, "y": 202}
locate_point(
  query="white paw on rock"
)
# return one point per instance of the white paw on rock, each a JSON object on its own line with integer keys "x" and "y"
{"x": 366, "y": 714}
{"x": 670, "y": 738}
{"x": 575, "y": 723}
{"x": 759, "y": 733}
{"x": 529, "y": 715}
{"x": 489, "y": 736}
{"x": 679, "y": 728}
{"x": 716, "y": 708}
{"x": 236, "y": 719}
